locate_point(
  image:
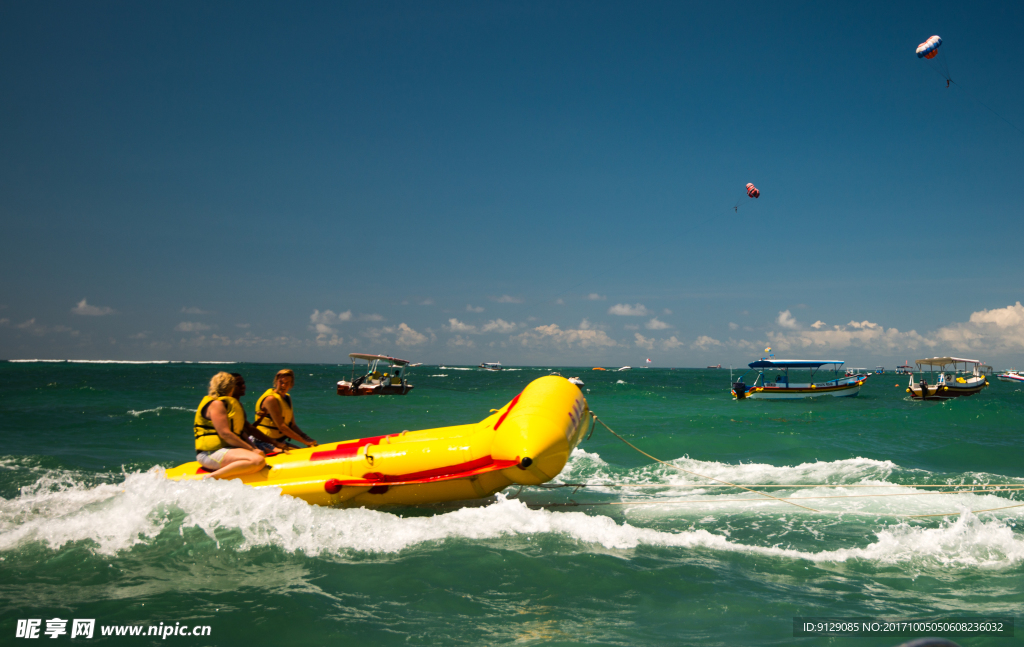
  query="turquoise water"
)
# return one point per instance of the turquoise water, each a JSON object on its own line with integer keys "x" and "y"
{"x": 88, "y": 531}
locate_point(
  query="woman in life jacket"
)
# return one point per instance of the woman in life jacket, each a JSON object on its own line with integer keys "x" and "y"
{"x": 219, "y": 421}
{"x": 274, "y": 414}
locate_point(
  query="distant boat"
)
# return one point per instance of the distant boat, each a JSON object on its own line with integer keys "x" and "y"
{"x": 1011, "y": 375}
{"x": 879, "y": 370}
{"x": 624, "y": 368}
{"x": 954, "y": 383}
{"x": 780, "y": 388}
{"x": 577, "y": 381}
{"x": 392, "y": 381}
{"x": 716, "y": 366}
{"x": 490, "y": 366}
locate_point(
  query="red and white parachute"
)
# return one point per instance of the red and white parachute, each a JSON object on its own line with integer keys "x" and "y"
{"x": 929, "y": 48}
{"x": 752, "y": 190}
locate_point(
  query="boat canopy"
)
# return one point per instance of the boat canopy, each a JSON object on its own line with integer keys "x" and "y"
{"x": 944, "y": 361}
{"x": 794, "y": 363}
{"x": 370, "y": 358}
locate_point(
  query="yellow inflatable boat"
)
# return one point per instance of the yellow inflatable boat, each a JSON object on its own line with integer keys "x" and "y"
{"x": 526, "y": 442}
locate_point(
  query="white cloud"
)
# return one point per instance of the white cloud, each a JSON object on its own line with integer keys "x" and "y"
{"x": 5, "y": 321}
{"x": 245, "y": 325}
{"x": 643, "y": 342}
{"x": 786, "y": 320}
{"x": 996, "y": 330}
{"x": 733, "y": 326}
{"x": 656, "y": 324}
{"x": 508, "y": 299}
{"x": 499, "y": 326}
{"x": 427, "y": 302}
{"x": 327, "y": 337}
{"x": 671, "y": 343}
{"x": 818, "y": 324}
{"x": 477, "y": 309}
{"x": 458, "y": 341}
{"x": 34, "y": 328}
{"x": 407, "y": 336}
{"x": 455, "y": 325}
{"x": 705, "y": 343}
{"x": 324, "y": 329}
{"x": 84, "y": 308}
{"x": 560, "y": 302}
{"x": 856, "y": 334}
{"x": 191, "y": 326}
{"x": 371, "y": 317}
{"x": 329, "y": 317}
{"x": 195, "y": 311}
{"x": 666, "y": 311}
{"x": 551, "y": 334}
{"x": 139, "y": 335}
{"x": 626, "y": 310}
{"x": 594, "y": 296}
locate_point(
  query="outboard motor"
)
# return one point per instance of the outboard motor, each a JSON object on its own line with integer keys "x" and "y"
{"x": 924, "y": 388}
{"x": 740, "y": 389}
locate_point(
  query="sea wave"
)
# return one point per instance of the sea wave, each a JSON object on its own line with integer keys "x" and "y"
{"x": 157, "y": 410}
{"x": 113, "y": 517}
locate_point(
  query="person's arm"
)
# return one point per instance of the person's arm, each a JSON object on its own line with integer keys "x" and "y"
{"x": 219, "y": 415}
{"x": 306, "y": 439}
{"x": 273, "y": 407}
{"x": 248, "y": 430}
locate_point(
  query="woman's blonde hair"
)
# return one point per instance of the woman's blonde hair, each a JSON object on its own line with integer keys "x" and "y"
{"x": 222, "y": 384}
{"x": 284, "y": 372}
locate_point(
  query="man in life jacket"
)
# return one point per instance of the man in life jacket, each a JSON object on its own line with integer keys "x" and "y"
{"x": 274, "y": 414}
{"x": 251, "y": 434}
{"x": 219, "y": 421}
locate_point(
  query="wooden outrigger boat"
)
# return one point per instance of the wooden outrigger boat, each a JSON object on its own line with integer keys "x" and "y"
{"x": 373, "y": 382}
{"x": 780, "y": 388}
{"x": 955, "y": 383}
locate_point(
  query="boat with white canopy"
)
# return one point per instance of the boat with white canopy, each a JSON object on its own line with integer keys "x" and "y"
{"x": 384, "y": 375}
{"x": 772, "y": 380}
{"x": 949, "y": 379}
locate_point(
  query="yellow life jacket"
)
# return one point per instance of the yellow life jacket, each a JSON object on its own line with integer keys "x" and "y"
{"x": 264, "y": 422}
{"x": 207, "y": 439}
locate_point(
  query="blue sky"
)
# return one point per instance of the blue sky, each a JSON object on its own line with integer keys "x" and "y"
{"x": 546, "y": 182}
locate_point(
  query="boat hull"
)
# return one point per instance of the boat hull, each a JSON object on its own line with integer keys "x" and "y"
{"x": 526, "y": 442}
{"x": 1010, "y": 378}
{"x": 945, "y": 391}
{"x": 799, "y": 393}
{"x": 346, "y": 388}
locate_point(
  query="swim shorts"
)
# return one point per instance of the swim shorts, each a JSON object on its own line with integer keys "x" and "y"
{"x": 212, "y": 460}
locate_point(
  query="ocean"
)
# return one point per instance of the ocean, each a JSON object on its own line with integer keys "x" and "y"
{"x": 89, "y": 530}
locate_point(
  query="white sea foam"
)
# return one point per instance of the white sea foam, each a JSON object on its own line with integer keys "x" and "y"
{"x": 157, "y": 410}
{"x": 456, "y": 368}
{"x": 439, "y": 375}
{"x": 115, "y": 517}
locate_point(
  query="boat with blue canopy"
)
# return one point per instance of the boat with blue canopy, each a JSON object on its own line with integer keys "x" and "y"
{"x": 772, "y": 380}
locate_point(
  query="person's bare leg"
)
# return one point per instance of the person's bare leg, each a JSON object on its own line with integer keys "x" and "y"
{"x": 238, "y": 462}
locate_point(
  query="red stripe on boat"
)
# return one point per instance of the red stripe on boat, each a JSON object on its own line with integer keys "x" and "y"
{"x": 507, "y": 411}
{"x": 347, "y": 449}
{"x": 451, "y": 472}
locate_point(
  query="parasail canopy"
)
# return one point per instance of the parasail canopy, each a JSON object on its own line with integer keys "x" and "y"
{"x": 929, "y": 48}
{"x": 752, "y": 190}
